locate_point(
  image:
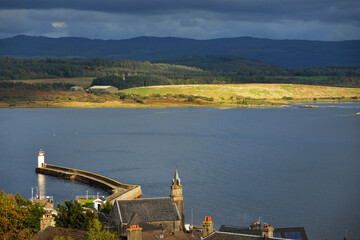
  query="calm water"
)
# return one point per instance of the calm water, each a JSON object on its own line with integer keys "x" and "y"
{"x": 290, "y": 166}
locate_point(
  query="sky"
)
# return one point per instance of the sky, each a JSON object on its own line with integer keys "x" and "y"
{"x": 328, "y": 20}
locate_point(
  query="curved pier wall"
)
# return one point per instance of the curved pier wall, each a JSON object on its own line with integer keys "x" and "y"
{"x": 111, "y": 186}
{"x": 130, "y": 194}
{"x": 73, "y": 176}
{"x": 90, "y": 174}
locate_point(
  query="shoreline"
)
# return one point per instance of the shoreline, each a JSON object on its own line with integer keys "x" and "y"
{"x": 118, "y": 104}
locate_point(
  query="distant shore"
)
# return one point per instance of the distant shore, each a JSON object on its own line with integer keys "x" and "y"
{"x": 121, "y": 104}
{"x": 211, "y": 95}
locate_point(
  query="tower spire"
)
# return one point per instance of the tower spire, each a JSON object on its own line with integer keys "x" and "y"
{"x": 177, "y": 196}
{"x": 176, "y": 181}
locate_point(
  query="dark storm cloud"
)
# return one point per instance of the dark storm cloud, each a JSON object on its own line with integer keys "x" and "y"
{"x": 323, "y": 10}
{"x": 116, "y": 19}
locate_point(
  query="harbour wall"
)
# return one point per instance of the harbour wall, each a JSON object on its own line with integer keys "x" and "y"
{"x": 116, "y": 189}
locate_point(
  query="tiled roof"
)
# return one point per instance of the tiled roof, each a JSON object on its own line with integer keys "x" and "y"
{"x": 50, "y": 232}
{"x": 149, "y": 210}
{"x": 291, "y": 232}
{"x": 234, "y": 236}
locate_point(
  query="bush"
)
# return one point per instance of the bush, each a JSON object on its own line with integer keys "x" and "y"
{"x": 71, "y": 215}
{"x": 287, "y": 98}
{"x": 191, "y": 98}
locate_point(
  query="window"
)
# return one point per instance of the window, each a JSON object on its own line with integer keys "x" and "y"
{"x": 293, "y": 235}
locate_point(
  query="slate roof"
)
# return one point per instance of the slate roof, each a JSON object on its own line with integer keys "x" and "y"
{"x": 237, "y": 229}
{"x": 291, "y": 232}
{"x": 100, "y": 87}
{"x": 146, "y": 227}
{"x": 148, "y": 209}
{"x": 154, "y": 235}
{"x": 234, "y": 236}
{"x": 50, "y": 232}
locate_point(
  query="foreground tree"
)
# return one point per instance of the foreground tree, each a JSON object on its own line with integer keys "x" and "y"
{"x": 19, "y": 218}
{"x": 72, "y": 215}
{"x": 62, "y": 238}
{"x": 97, "y": 232}
{"x": 105, "y": 207}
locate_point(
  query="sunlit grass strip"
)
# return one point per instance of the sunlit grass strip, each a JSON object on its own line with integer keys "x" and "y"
{"x": 225, "y": 92}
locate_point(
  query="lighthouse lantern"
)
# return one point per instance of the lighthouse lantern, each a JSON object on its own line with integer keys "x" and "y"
{"x": 41, "y": 158}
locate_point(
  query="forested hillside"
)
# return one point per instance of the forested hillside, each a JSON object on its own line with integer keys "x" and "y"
{"x": 185, "y": 70}
{"x": 14, "y": 68}
{"x": 286, "y": 53}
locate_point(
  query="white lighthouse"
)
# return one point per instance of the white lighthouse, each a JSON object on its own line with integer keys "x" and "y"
{"x": 41, "y": 158}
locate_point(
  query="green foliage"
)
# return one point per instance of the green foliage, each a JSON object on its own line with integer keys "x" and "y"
{"x": 62, "y": 238}
{"x": 105, "y": 207}
{"x": 250, "y": 101}
{"x": 131, "y": 81}
{"x": 13, "y": 68}
{"x": 72, "y": 215}
{"x": 97, "y": 232}
{"x": 191, "y": 98}
{"x": 19, "y": 218}
{"x": 36, "y": 86}
{"x": 125, "y": 74}
{"x": 287, "y": 98}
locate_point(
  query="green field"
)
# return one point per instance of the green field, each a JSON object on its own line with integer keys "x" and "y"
{"x": 254, "y": 91}
{"x": 210, "y": 95}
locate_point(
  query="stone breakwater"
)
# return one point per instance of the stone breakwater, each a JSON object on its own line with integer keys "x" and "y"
{"x": 116, "y": 190}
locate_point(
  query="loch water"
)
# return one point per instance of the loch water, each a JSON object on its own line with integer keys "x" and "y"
{"x": 287, "y": 166}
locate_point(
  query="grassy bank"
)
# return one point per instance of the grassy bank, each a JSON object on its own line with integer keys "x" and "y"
{"x": 232, "y": 95}
{"x": 269, "y": 92}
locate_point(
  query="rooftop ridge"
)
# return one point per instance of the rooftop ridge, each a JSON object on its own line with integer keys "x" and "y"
{"x": 241, "y": 234}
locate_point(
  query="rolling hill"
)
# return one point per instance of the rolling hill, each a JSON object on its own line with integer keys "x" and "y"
{"x": 288, "y": 53}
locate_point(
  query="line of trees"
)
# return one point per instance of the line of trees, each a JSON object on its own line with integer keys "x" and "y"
{"x": 37, "y": 86}
{"x": 20, "y": 218}
{"x": 127, "y": 73}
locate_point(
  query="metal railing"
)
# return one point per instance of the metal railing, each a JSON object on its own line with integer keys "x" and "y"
{"x": 41, "y": 198}
{"x": 86, "y": 197}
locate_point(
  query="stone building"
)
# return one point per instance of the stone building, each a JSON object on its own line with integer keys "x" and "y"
{"x": 76, "y": 88}
{"x": 47, "y": 220}
{"x": 109, "y": 89}
{"x": 208, "y": 226}
{"x": 150, "y": 213}
{"x": 177, "y": 196}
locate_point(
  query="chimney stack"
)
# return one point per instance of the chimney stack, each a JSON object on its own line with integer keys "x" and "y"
{"x": 134, "y": 232}
{"x": 208, "y": 226}
{"x": 47, "y": 220}
{"x": 267, "y": 231}
{"x": 255, "y": 226}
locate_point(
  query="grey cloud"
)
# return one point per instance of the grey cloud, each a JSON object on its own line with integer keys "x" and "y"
{"x": 321, "y": 10}
{"x": 192, "y": 24}
{"x": 117, "y": 19}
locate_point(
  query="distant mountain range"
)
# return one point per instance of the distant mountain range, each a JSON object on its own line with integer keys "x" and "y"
{"x": 287, "y": 53}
